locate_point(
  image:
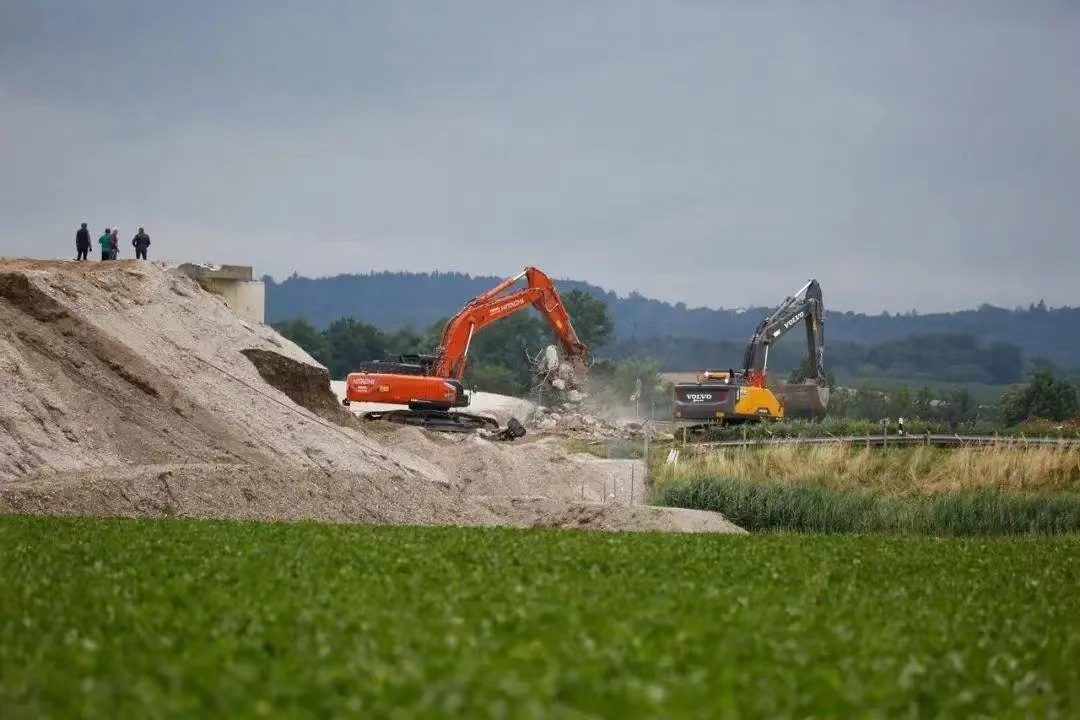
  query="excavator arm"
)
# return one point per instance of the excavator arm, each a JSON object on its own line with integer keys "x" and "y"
{"x": 452, "y": 353}
{"x": 804, "y": 306}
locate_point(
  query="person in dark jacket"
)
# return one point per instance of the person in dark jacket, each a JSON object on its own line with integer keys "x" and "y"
{"x": 105, "y": 241}
{"x": 141, "y": 241}
{"x": 82, "y": 242}
{"x": 114, "y": 243}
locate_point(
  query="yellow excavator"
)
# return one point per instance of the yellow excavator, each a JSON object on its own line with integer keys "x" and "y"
{"x": 729, "y": 397}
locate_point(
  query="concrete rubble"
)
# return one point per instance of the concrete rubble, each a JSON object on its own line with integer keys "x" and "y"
{"x": 571, "y": 420}
{"x": 560, "y": 374}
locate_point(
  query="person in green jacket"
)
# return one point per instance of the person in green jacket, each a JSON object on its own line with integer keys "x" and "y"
{"x": 106, "y": 245}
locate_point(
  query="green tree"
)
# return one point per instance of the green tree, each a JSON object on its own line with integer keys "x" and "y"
{"x": 304, "y": 334}
{"x": 901, "y": 404}
{"x": 1005, "y": 362}
{"x": 493, "y": 378}
{"x": 350, "y": 342}
{"x": 1044, "y": 396}
{"x": 627, "y": 375}
{"x": 407, "y": 341}
{"x": 958, "y": 407}
{"x": 806, "y": 366}
{"x": 591, "y": 318}
{"x": 922, "y": 406}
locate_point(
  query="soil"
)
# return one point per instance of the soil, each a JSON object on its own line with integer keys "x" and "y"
{"x": 131, "y": 390}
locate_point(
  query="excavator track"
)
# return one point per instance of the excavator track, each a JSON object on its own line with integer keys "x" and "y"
{"x": 440, "y": 420}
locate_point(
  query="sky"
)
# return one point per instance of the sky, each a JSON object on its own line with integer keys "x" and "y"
{"x": 908, "y": 155}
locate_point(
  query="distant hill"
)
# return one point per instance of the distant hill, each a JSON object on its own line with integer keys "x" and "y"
{"x": 393, "y": 300}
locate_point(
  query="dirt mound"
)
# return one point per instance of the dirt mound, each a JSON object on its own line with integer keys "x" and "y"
{"x": 131, "y": 390}
{"x": 245, "y": 492}
{"x": 304, "y": 384}
{"x": 534, "y": 468}
{"x": 656, "y": 519}
{"x": 113, "y": 370}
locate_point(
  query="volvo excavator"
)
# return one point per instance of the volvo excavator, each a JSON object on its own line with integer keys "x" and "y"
{"x": 730, "y": 397}
{"x": 431, "y": 386}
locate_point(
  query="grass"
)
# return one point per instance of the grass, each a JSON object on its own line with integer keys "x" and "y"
{"x": 996, "y": 490}
{"x": 765, "y": 506}
{"x": 900, "y": 470}
{"x": 848, "y": 427}
{"x": 159, "y": 618}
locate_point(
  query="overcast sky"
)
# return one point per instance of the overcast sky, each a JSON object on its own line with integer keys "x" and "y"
{"x": 908, "y": 154}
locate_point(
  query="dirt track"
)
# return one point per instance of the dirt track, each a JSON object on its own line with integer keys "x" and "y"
{"x": 129, "y": 390}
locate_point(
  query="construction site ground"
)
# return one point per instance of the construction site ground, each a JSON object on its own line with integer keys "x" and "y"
{"x": 130, "y": 390}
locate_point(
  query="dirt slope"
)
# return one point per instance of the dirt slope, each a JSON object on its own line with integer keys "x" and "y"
{"x": 130, "y": 390}
{"x": 110, "y": 367}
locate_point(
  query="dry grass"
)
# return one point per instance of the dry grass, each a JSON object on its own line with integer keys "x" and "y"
{"x": 896, "y": 471}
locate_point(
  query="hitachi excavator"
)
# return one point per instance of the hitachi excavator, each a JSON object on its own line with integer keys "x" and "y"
{"x": 720, "y": 397}
{"x": 430, "y": 385}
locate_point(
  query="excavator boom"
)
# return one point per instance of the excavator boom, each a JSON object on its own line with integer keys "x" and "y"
{"x": 491, "y": 306}
{"x": 430, "y": 385}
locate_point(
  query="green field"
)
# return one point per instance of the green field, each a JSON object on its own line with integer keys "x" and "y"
{"x": 156, "y": 618}
{"x": 982, "y": 393}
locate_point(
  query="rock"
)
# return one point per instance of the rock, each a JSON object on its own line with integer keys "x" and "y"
{"x": 551, "y": 359}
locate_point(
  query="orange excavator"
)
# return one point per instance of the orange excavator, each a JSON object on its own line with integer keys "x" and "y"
{"x": 430, "y": 385}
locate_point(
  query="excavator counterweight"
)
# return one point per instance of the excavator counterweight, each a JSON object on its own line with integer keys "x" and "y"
{"x": 430, "y": 386}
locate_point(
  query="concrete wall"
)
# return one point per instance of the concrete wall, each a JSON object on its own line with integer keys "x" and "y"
{"x": 244, "y": 296}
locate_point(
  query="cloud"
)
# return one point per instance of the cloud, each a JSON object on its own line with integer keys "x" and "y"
{"x": 907, "y": 155}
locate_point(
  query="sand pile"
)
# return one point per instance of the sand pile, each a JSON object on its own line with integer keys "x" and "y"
{"x": 123, "y": 365}
{"x": 536, "y": 482}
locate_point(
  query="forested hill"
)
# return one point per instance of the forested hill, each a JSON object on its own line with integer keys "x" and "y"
{"x": 394, "y": 300}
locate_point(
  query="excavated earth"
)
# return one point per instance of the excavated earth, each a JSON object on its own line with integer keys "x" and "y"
{"x": 130, "y": 390}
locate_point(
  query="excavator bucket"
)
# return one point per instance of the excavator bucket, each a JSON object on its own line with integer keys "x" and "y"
{"x": 805, "y": 400}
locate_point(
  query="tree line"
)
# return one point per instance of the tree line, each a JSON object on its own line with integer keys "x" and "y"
{"x": 943, "y": 357}
{"x": 393, "y": 301}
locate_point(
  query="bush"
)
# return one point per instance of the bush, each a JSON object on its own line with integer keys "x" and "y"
{"x": 814, "y": 509}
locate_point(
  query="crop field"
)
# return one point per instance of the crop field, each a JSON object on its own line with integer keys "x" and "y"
{"x": 155, "y": 618}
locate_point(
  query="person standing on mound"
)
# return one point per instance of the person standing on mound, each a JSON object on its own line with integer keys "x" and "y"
{"x": 82, "y": 242}
{"x": 105, "y": 241}
{"x": 141, "y": 241}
